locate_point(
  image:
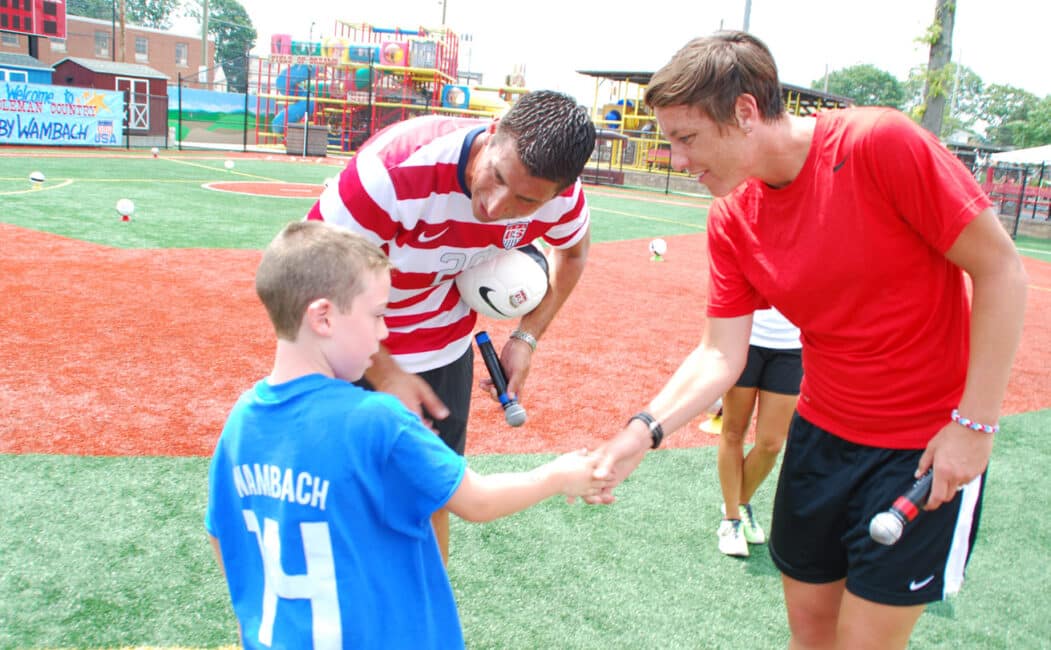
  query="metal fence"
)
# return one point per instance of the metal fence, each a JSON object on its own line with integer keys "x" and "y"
{"x": 1021, "y": 195}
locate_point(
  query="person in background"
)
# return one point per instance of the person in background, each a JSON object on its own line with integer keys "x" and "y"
{"x": 768, "y": 387}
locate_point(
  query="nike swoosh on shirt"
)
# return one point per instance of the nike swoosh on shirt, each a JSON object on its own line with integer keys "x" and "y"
{"x": 916, "y": 586}
{"x": 840, "y": 164}
{"x": 424, "y": 238}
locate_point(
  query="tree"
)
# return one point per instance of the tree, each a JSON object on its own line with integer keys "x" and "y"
{"x": 147, "y": 13}
{"x": 234, "y": 36}
{"x": 1037, "y": 130}
{"x": 98, "y": 9}
{"x": 866, "y": 84}
{"x": 151, "y": 13}
{"x": 963, "y": 105}
{"x": 1030, "y": 127}
{"x": 1006, "y": 110}
{"x": 936, "y": 91}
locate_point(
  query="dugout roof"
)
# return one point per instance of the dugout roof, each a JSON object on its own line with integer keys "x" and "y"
{"x": 799, "y": 100}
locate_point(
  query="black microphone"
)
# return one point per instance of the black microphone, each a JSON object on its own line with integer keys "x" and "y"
{"x": 514, "y": 412}
{"x": 887, "y": 527}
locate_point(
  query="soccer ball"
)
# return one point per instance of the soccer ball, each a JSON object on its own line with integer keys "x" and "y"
{"x": 229, "y": 164}
{"x": 658, "y": 247}
{"x": 507, "y": 285}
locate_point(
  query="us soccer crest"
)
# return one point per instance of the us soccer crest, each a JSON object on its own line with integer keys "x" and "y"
{"x": 518, "y": 298}
{"x": 514, "y": 233}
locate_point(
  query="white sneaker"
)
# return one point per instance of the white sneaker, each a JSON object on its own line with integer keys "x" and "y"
{"x": 753, "y": 532}
{"x": 731, "y": 538}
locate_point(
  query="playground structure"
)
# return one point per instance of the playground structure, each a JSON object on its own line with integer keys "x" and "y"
{"x": 363, "y": 78}
{"x": 629, "y": 136}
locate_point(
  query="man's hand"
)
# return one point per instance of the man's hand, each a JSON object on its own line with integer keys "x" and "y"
{"x": 516, "y": 358}
{"x": 410, "y": 389}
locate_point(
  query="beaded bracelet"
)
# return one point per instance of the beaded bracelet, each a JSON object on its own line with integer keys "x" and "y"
{"x": 972, "y": 425}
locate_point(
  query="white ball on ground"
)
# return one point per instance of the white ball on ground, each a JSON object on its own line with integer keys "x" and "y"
{"x": 37, "y": 177}
{"x": 229, "y": 164}
{"x": 155, "y": 151}
{"x": 510, "y": 284}
{"x": 658, "y": 247}
{"x": 125, "y": 207}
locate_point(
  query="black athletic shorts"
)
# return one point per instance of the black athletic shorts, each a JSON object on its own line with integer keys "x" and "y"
{"x": 452, "y": 383}
{"x": 829, "y": 490}
{"x": 772, "y": 370}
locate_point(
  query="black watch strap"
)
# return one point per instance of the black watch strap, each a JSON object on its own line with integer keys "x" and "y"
{"x": 656, "y": 431}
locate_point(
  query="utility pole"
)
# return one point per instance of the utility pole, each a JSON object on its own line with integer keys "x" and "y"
{"x": 444, "y": 3}
{"x": 203, "y": 73}
{"x": 747, "y": 14}
{"x": 123, "y": 32}
{"x": 113, "y": 31}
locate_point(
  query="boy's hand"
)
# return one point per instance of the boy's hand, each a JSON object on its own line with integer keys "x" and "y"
{"x": 575, "y": 473}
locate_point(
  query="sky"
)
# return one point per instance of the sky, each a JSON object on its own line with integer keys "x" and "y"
{"x": 1000, "y": 40}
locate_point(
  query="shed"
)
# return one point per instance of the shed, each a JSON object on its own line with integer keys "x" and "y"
{"x": 15, "y": 68}
{"x": 145, "y": 92}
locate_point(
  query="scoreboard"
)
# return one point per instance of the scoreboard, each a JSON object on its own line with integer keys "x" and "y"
{"x": 34, "y": 17}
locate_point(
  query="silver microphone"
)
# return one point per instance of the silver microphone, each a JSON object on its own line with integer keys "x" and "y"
{"x": 887, "y": 527}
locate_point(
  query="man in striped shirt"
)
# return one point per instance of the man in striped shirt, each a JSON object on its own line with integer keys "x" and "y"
{"x": 441, "y": 194}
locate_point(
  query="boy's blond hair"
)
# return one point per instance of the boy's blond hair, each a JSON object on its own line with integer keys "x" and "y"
{"x": 309, "y": 260}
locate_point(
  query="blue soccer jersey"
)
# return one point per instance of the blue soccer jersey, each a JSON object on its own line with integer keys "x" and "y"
{"x": 320, "y": 494}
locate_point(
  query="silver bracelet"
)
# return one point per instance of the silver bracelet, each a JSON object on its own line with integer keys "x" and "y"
{"x": 525, "y": 337}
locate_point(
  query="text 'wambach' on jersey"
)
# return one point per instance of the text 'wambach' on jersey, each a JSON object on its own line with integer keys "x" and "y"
{"x": 281, "y": 483}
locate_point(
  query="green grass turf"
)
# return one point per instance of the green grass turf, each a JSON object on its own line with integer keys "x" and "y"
{"x": 111, "y": 552}
{"x": 173, "y": 210}
{"x": 1033, "y": 247}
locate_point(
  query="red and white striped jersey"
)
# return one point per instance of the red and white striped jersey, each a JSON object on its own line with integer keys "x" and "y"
{"x": 405, "y": 190}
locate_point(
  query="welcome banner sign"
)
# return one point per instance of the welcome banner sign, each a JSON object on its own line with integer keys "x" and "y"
{"x": 60, "y": 115}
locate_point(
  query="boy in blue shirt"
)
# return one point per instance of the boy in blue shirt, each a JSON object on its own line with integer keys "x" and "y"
{"x": 321, "y": 493}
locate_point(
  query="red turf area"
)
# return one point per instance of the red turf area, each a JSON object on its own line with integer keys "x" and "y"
{"x": 142, "y": 352}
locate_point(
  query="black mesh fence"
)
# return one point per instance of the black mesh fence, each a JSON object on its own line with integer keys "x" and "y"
{"x": 1021, "y": 195}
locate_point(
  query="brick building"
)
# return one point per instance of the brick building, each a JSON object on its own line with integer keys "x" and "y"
{"x": 87, "y": 38}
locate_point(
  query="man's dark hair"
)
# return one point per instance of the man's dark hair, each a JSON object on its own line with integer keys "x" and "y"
{"x": 553, "y": 135}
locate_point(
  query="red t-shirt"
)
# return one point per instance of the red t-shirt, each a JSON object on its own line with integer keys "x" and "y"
{"x": 853, "y": 252}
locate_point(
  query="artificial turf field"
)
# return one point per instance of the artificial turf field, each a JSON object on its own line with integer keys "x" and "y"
{"x": 126, "y": 343}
